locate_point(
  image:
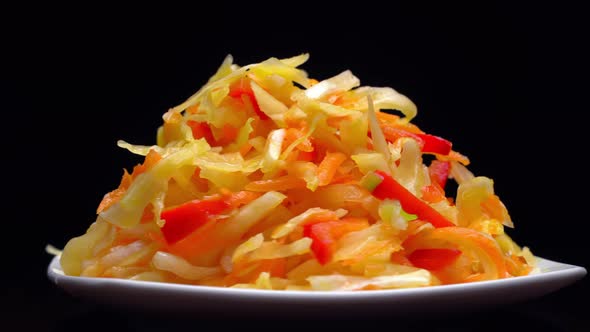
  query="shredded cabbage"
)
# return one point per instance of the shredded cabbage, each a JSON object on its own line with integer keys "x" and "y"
{"x": 418, "y": 278}
{"x": 268, "y": 179}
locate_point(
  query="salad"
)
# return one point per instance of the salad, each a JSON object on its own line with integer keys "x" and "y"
{"x": 268, "y": 179}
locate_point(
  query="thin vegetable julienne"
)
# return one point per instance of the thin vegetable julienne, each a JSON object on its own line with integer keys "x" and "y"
{"x": 268, "y": 179}
{"x": 389, "y": 188}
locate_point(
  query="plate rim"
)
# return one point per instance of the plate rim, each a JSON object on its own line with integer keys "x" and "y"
{"x": 569, "y": 272}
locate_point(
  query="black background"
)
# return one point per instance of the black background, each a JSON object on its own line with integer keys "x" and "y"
{"x": 506, "y": 84}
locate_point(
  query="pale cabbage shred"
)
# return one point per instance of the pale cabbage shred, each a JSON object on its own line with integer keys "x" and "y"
{"x": 92, "y": 254}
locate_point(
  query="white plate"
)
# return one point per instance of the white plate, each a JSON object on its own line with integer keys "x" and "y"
{"x": 186, "y": 298}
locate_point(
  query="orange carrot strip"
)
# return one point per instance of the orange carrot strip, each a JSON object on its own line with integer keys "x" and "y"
{"x": 433, "y": 193}
{"x": 345, "y": 179}
{"x": 126, "y": 180}
{"x": 235, "y": 200}
{"x": 279, "y": 184}
{"x": 517, "y": 265}
{"x": 454, "y": 156}
{"x": 275, "y": 267}
{"x": 150, "y": 160}
{"x": 204, "y": 240}
{"x": 494, "y": 207}
{"x": 394, "y": 120}
{"x": 114, "y": 196}
{"x": 110, "y": 198}
{"x": 328, "y": 167}
{"x": 293, "y": 134}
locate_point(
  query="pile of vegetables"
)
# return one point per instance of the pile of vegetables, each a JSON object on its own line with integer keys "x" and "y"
{"x": 268, "y": 179}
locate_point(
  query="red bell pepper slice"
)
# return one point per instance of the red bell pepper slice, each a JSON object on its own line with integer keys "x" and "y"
{"x": 388, "y": 187}
{"x": 201, "y": 130}
{"x": 322, "y": 241}
{"x": 325, "y": 234}
{"x": 433, "y": 259}
{"x": 428, "y": 143}
{"x": 184, "y": 219}
{"x": 242, "y": 87}
{"x": 435, "y": 144}
{"x": 439, "y": 172}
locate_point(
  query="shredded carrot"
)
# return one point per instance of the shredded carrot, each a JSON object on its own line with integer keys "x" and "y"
{"x": 110, "y": 198}
{"x": 328, "y": 167}
{"x": 517, "y": 265}
{"x": 309, "y": 184}
{"x": 193, "y": 109}
{"x": 393, "y": 120}
{"x": 235, "y": 200}
{"x": 433, "y": 193}
{"x": 150, "y": 160}
{"x": 275, "y": 267}
{"x": 347, "y": 225}
{"x": 114, "y": 196}
{"x": 203, "y": 241}
{"x": 293, "y": 134}
{"x": 279, "y": 184}
{"x": 344, "y": 179}
{"x": 126, "y": 180}
{"x": 494, "y": 207}
{"x": 454, "y": 156}
{"x": 345, "y": 100}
